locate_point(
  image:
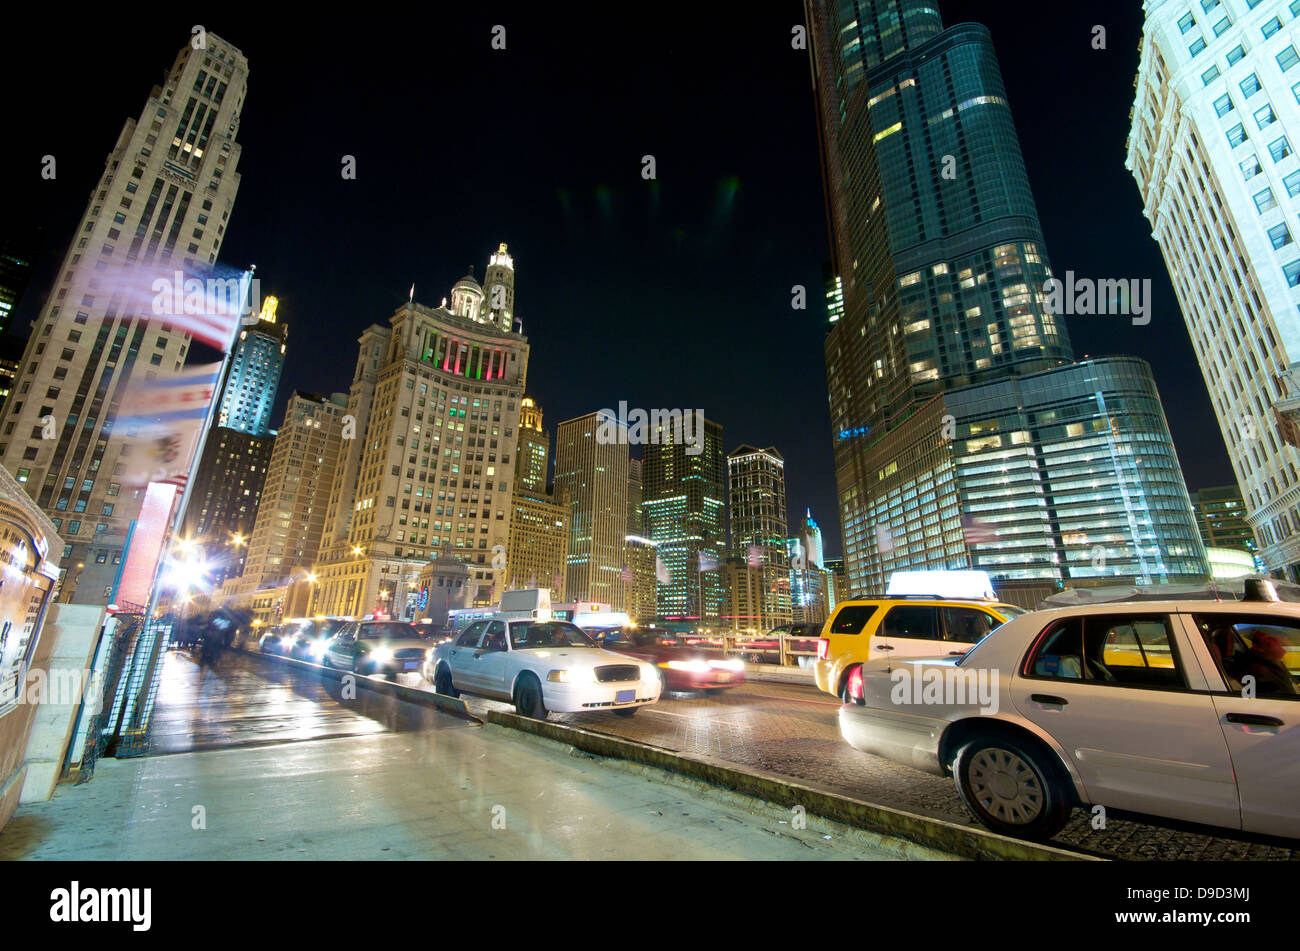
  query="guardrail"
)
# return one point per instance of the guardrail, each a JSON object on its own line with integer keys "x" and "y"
{"x": 789, "y": 650}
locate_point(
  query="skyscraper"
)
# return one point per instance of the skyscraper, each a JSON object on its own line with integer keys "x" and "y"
{"x": 756, "y": 490}
{"x": 539, "y": 522}
{"x": 684, "y": 501}
{"x": 15, "y": 273}
{"x": 592, "y": 475}
{"x": 534, "y": 463}
{"x": 223, "y": 503}
{"x": 290, "y": 521}
{"x": 164, "y": 199}
{"x": 428, "y": 461}
{"x": 1215, "y": 123}
{"x": 237, "y": 453}
{"x": 944, "y": 276}
{"x": 254, "y": 374}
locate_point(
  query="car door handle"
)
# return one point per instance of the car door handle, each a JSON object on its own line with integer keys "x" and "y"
{"x": 884, "y": 647}
{"x": 1253, "y": 719}
{"x": 1048, "y": 698}
{"x": 956, "y": 653}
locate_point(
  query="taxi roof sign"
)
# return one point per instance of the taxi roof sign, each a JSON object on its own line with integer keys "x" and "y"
{"x": 955, "y": 584}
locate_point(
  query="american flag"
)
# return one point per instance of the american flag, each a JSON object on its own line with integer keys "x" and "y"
{"x": 709, "y": 561}
{"x": 978, "y": 531}
{"x": 207, "y": 306}
{"x": 754, "y": 556}
{"x": 628, "y": 576}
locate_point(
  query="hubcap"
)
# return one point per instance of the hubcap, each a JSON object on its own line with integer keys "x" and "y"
{"x": 1006, "y": 787}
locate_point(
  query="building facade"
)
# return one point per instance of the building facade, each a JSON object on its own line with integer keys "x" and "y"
{"x": 1215, "y": 122}
{"x": 592, "y": 475}
{"x": 254, "y": 375}
{"x": 223, "y": 504}
{"x": 946, "y": 293}
{"x": 537, "y": 556}
{"x": 684, "y": 501}
{"x": 164, "y": 200}
{"x": 286, "y": 536}
{"x": 1221, "y": 517}
{"x": 428, "y": 460}
{"x": 756, "y": 496}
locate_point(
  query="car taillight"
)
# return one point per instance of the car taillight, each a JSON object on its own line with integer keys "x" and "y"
{"x": 855, "y": 685}
{"x": 823, "y": 648}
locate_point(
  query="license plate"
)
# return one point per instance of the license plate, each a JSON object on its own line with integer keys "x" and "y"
{"x": 723, "y": 677}
{"x": 412, "y": 664}
{"x": 625, "y": 696}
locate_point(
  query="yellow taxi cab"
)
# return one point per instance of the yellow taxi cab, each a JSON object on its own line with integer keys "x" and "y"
{"x": 924, "y": 614}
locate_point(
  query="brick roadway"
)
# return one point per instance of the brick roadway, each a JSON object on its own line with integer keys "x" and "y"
{"x": 791, "y": 730}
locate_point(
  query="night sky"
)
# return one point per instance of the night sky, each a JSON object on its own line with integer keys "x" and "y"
{"x": 673, "y": 293}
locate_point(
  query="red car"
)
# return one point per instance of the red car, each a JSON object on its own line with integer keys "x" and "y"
{"x": 680, "y": 666}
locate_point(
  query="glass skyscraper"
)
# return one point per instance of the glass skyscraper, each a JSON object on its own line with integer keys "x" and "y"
{"x": 255, "y": 367}
{"x": 942, "y": 267}
{"x": 684, "y": 500}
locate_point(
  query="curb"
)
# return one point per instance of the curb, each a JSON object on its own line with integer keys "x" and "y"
{"x": 964, "y": 841}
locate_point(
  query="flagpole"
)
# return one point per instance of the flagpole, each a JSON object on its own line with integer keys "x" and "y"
{"x": 130, "y": 715}
{"x": 179, "y": 515}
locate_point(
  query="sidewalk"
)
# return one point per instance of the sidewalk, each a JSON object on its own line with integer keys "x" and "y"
{"x": 454, "y": 791}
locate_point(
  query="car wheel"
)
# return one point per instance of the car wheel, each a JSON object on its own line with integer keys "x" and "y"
{"x": 664, "y": 689}
{"x": 627, "y": 711}
{"x": 844, "y": 685}
{"x": 442, "y": 683}
{"x": 528, "y": 698}
{"x": 1008, "y": 788}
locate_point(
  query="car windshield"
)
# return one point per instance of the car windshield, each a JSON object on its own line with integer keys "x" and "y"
{"x": 326, "y": 628}
{"x": 526, "y": 635}
{"x": 388, "y": 630}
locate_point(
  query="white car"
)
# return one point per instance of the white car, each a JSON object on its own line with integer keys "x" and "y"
{"x": 1186, "y": 710}
{"x": 540, "y": 666}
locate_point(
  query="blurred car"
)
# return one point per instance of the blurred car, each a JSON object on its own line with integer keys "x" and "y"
{"x": 867, "y": 629}
{"x": 1187, "y": 710}
{"x": 540, "y": 666}
{"x": 376, "y": 647}
{"x": 313, "y": 636}
{"x": 801, "y": 639}
{"x": 680, "y": 666}
{"x": 276, "y": 640}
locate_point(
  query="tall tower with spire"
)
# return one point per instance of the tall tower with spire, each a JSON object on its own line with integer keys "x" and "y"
{"x": 499, "y": 287}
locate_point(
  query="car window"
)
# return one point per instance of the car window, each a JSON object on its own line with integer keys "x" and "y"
{"x": 852, "y": 618}
{"x": 496, "y": 637}
{"x": 383, "y": 630}
{"x": 967, "y": 625}
{"x": 1114, "y": 650}
{"x": 910, "y": 620}
{"x": 471, "y": 635}
{"x": 526, "y": 635}
{"x": 1264, "y": 647}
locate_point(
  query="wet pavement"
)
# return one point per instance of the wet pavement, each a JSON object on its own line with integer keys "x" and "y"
{"x": 791, "y": 731}
{"x": 278, "y": 767}
{"x": 246, "y": 701}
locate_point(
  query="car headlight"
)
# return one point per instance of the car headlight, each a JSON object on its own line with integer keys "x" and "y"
{"x": 319, "y": 647}
{"x": 691, "y": 666}
{"x": 732, "y": 664}
{"x": 381, "y": 654}
{"x": 582, "y": 675}
{"x": 649, "y": 673}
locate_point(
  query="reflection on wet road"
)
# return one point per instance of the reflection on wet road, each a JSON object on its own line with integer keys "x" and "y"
{"x": 245, "y": 701}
